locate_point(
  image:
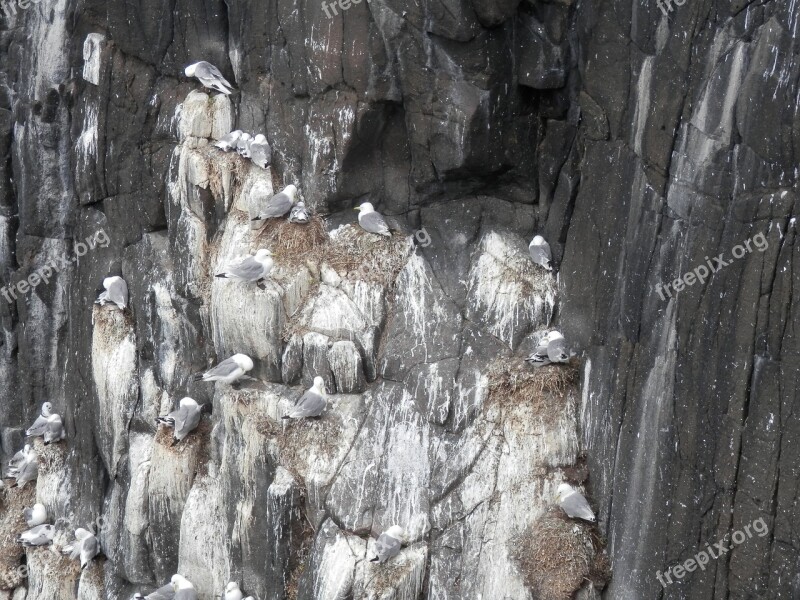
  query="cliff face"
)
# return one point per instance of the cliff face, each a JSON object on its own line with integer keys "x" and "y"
{"x": 640, "y": 142}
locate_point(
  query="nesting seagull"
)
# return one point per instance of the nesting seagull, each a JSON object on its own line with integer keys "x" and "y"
{"x": 209, "y": 76}
{"x": 299, "y": 213}
{"x": 232, "y": 592}
{"x": 36, "y": 515}
{"x": 243, "y": 145}
{"x": 85, "y": 546}
{"x": 249, "y": 269}
{"x": 55, "y": 430}
{"x": 40, "y": 424}
{"x": 388, "y": 544}
{"x": 260, "y": 152}
{"x": 550, "y": 349}
{"x": 279, "y": 204}
{"x": 184, "y": 590}
{"x": 573, "y": 503}
{"x": 184, "y": 420}
{"x": 310, "y": 404}
{"x": 19, "y": 458}
{"x": 116, "y": 292}
{"x": 163, "y": 593}
{"x": 540, "y": 252}
{"x": 229, "y": 370}
{"x": 372, "y": 221}
{"x": 228, "y": 141}
{"x": 28, "y": 470}
{"x": 38, "y": 536}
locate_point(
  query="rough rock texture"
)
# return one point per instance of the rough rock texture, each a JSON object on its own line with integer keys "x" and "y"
{"x": 637, "y": 142}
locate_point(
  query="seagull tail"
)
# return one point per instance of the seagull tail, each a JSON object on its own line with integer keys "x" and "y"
{"x": 286, "y": 417}
{"x": 376, "y": 559}
{"x": 223, "y": 275}
{"x": 197, "y": 377}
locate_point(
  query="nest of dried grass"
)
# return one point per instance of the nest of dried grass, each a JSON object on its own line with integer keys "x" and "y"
{"x": 556, "y": 555}
{"x": 547, "y": 389}
{"x": 293, "y": 244}
{"x": 357, "y": 254}
{"x": 197, "y": 442}
{"x": 12, "y": 524}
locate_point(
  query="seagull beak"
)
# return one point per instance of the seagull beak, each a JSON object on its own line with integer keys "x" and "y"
{"x": 357, "y": 208}
{"x": 256, "y": 219}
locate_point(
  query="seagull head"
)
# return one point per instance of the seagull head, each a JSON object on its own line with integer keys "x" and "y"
{"x": 263, "y": 254}
{"x": 554, "y": 335}
{"x": 188, "y": 401}
{"x": 260, "y": 139}
{"x": 397, "y": 533}
{"x": 109, "y": 281}
{"x": 189, "y": 71}
{"x": 179, "y": 582}
{"x": 81, "y": 534}
{"x": 244, "y": 137}
{"x": 290, "y": 190}
{"x": 244, "y": 361}
{"x": 365, "y": 208}
{"x": 319, "y": 385}
{"x": 537, "y": 241}
{"x": 47, "y": 409}
{"x": 231, "y": 587}
{"x": 564, "y": 490}
{"x": 39, "y": 509}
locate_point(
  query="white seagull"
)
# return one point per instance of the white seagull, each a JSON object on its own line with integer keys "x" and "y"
{"x": 279, "y": 204}
{"x": 228, "y": 141}
{"x": 260, "y": 152}
{"x": 372, "y": 221}
{"x": 38, "y": 536}
{"x": 28, "y": 470}
{"x": 85, "y": 546}
{"x": 243, "y": 144}
{"x": 116, "y": 292}
{"x": 184, "y": 590}
{"x": 209, "y": 76}
{"x": 299, "y": 213}
{"x": 312, "y": 403}
{"x": 540, "y": 252}
{"x": 232, "y": 592}
{"x": 36, "y": 515}
{"x": 250, "y": 269}
{"x": 388, "y": 544}
{"x": 229, "y": 370}
{"x": 184, "y": 420}
{"x": 573, "y": 503}
{"x": 550, "y": 349}
{"x": 40, "y": 424}
{"x": 55, "y": 430}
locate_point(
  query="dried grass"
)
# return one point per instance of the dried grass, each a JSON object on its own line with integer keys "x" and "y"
{"x": 357, "y": 254}
{"x": 197, "y": 442}
{"x": 12, "y": 524}
{"x": 293, "y": 244}
{"x": 557, "y": 554}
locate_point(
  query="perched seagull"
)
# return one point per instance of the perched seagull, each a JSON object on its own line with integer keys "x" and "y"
{"x": 19, "y": 458}
{"x": 209, "y": 76}
{"x": 250, "y": 269}
{"x": 40, "y": 424}
{"x": 299, "y": 213}
{"x": 550, "y": 349}
{"x": 540, "y": 252}
{"x": 310, "y": 404}
{"x": 279, "y": 204}
{"x": 573, "y": 503}
{"x": 85, "y": 546}
{"x": 243, "y": 145}
{"x": 260, "y": 152}
{"x": 28, "y": 470}
{"x": 184, "y": 420}
{"x": 36, "y": 515}
{"x": 372, "y": 221}
{"x": 388, "y": 544}
{"x": 232, "y": 592}
{"x": 38, "y": 536}
{"x": 116, "y": 292}
{"x": 55, "y": 430}
{"x": 228, "y": 141}
{"x": 229, "y": 370}
{"x": 163, "y": 593}
{"x": 184, "y": 590}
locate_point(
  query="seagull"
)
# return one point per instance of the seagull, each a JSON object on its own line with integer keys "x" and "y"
{"x": 55, "y": 430}
{"x": 184, "y": 590}
{"x": 36, "y": 515}
{"x": 232, "y": 592}
{"x": 372, "y": 221}
{"x": 573, "y": 503}
{"x": 228, "y": 141}
{"x": 28, "y": 470}
{"x": 116, "y": 292}
{"x": 279, "y": 204}
{"x": 388, "y": 544}
{"x": 310, "y": 404}
{"x": 229, "y": 370}
{"x": 209, "y": 76}
{"x": 165, "y": 592}
{"x": 540, "y": 252}
{"x": 184, "y": 420}
{"x": 19, "y": 458}
{"x": 299, "y": 213}
{"x": 38, "y": 536}
{"x": 260, "y": 152}
{"x": 243, "y": 145}
{"x": 85, "y": 546}
{"x": 40, "y": 424}
{"x": 250, "y": 269}
{"x": 550, "y": 349}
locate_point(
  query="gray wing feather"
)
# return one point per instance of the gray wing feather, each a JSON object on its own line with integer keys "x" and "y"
{"x": 28, "y": 472}
{"x": 386, "y": 546}
{"x": 89, "y": 549}
{"x": 186, "y": 595}
{"x": 187, "y": 422}
{"x": 556, "y": 351}
{"x": 118, "y": 293}
{"x": 260, "y": 154}
{"x": 309, "y": 405}
{"x": 575, "y": 505}
{"x": 38, "y": 428}
{"x": 27, "y": 514}
{"x": 374, "y": 223}
{"x": 205, "y": 70}
{"x": 223, "y": 369}
{"x": 249, "y": 269}
{"x": 541, "y": 255}
{"x": 55, "y": 431}
{"x": 277, "y": 206}
{"x": 162, "y": 593}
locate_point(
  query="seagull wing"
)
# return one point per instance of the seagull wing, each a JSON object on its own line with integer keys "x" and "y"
{"x": 556, "y": 351}
{"x": 247, "y": 270}
{"x": 277, "y": 206}
{"x": 89, "y": 549}
{"x": 187, "y": 421}
{"x": 374, "y": 223}
{"x": 224, "y": 369}
{"x": 310, "y": 404}
{"x": 575, "y": 505}
{"x": 118, "y": 293}
{"x": 260, "y": 154}
{"x": 163, "y": 593}
{"x": 386, "y": 546}
{"x": 38, "y": 428}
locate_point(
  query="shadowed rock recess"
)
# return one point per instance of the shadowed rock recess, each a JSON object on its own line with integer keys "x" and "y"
{"x": 639, "y": 142}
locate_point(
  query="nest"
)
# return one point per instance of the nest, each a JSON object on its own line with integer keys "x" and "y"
{"x": 547, "y": 388}
{"x": 357, "y": 254}
{"x": 197, "y": 442}
{"x": 12, "y": 524}
{"x": 556, "y": 555}
{"x": 293, "y": 244}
